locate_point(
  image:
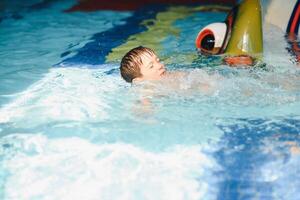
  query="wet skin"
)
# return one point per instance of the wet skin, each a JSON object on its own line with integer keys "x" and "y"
{"x": 151, "y": 68}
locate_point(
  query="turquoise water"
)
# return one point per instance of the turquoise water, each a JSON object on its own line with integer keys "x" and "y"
{"x": 78, "y": 131}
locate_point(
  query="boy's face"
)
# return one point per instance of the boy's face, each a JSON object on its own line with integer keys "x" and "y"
{"x": 151, "y": 67}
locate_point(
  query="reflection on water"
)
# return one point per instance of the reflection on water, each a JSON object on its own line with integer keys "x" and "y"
{"x": 259, "y": 159}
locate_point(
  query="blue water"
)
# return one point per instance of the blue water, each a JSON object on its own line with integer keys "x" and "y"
{"x": 71, "y": 128}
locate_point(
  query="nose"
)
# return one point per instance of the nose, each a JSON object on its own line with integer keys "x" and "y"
{"x": 161, "y": 65}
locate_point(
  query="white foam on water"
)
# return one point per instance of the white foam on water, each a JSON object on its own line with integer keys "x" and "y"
{"x": 72, "y": 168}
{"x": 63, "y": 94}
{"x": 275, "y": 47}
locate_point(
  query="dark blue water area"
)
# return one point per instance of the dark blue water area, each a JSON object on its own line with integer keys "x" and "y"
{"x": 10, "y": 15}
{"x": 94, "y": 52}
{"x": 15, "y": 9}
{"x": 244, "y": 153}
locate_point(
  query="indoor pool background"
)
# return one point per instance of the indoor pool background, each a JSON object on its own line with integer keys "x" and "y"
{"x": 71, "y": 128}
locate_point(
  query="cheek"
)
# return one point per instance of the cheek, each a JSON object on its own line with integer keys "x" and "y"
{"x": 158, "y": 65}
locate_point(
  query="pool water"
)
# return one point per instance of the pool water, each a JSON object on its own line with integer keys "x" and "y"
{"x": 71, "y": 128}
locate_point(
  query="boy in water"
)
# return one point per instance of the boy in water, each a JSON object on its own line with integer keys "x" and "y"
{"x": 141, "y": 64}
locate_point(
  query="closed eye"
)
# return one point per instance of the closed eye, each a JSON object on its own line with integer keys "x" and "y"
{"x": 150, "y": 65}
